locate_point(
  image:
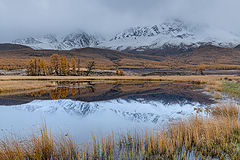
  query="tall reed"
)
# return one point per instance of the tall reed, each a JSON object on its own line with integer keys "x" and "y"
{"x": 41, "y": 146}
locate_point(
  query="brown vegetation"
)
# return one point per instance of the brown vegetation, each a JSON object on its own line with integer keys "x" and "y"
{"x": 119, "y": 72}
{"x": 210, "y": 79}
{"x": 41, "y": 146}
{"x": 210, "y": 57}
{"x": 13, "y": 86}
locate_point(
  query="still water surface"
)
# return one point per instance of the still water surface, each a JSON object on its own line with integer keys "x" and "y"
{"x": 85, "y": 108}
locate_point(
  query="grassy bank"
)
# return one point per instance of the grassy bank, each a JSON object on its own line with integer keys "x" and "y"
{"x": 23, "y": 83}
{"x": 197, "y": 79}
{"x": 231, "y": 88}
{"x": 215, "y": 136}
{"x": 210, "y": 79}
{"x": 13, "y": 86}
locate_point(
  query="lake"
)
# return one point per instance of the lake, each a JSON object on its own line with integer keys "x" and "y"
{"x": 83, "y": 108}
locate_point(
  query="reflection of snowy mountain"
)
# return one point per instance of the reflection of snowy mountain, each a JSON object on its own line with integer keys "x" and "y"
{"x": 138, "y": 111}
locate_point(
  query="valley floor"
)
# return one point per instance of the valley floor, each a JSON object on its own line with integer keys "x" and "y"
{"x": 16, "y": 83}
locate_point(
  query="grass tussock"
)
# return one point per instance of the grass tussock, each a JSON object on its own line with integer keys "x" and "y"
{"x": 226, "y": 111}
{"x": 215, "y": 136}
{"x": 217, "y": 95}
{"x": 41, "y": 146}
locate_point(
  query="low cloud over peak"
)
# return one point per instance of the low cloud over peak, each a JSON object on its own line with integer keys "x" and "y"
{"x": 27, "y": 17}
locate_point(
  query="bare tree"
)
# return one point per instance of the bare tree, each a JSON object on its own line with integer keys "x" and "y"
{"x": 90, "y": 67}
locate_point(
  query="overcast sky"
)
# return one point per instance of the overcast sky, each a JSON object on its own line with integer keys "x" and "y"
{"x": 20, "y": 18}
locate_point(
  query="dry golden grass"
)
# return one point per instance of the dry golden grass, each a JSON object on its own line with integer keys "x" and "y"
{"x": 217, "y": 95}
{"x": 12, "y": 86}
{"x": 32, "y": 92}
{"x": 209, "y": 67}
{"x": 227, "y": 111}
{"x": 41, "y": 146}
{"x": 210, "y": 79}
{"x": 196, "y": 138}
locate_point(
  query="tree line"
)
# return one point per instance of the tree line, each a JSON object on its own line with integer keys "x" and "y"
{"x": 57, "y": 66}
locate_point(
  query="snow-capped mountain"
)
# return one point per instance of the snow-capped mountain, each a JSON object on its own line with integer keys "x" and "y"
{"x": 170, "y": 33}
{"x": 63, "y": 42}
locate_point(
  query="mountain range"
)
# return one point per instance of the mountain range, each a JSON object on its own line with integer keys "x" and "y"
{"x": 172, "y": 33}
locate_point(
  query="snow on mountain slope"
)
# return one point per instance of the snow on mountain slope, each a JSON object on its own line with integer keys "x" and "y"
{"x": 64, "y": 42}
{"x": 172, "y": 32}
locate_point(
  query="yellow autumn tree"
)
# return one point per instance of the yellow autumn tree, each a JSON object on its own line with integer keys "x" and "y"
{"x": 64, "y": 92}
{"x": 117, "y": 71}
{"x": 43, "y": 67}
{"x": 54, "y": 63}
{"x": 30, "y": 67}
{"x": 33, "y": 67}
{"x": 78, "y": 66}
{"x": 73, "y": 65}
{"x": 68, "y": 68}
{"x": 121, "y": 73}
{"x": 63, "y": 65}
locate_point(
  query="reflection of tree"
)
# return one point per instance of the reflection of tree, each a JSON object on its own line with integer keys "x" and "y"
{"x": 32, "y": 94}
{"x": 88, "y": 91}
{"x": 90, "y": 87}
{"x": 66, "y": 88}
{"x": 64, "y": 92}
{"x": 54, "y": 94}
{"x": 42, "y": 92}
{"x": 74, "y": 83}
{"x": 64, "y": 83}
{"x": 38, "y": 94}
{"x": 73, "y": 91}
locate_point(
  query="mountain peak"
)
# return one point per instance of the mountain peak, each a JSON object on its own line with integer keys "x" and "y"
{"x": 69, "y": 41}
{"x": 174, "y": 32}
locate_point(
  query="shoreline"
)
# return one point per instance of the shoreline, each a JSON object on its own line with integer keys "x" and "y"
{"x": 22, "y": 83}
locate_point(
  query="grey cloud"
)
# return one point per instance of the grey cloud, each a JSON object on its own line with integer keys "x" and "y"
{"x": 20, "y": 18}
